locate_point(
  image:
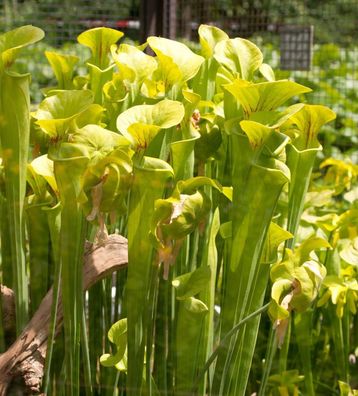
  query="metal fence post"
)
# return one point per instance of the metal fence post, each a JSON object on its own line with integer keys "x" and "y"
{"x": 158, "y": 18}
{"x": 150, "y": 16}
{"x": 170, "y": 19}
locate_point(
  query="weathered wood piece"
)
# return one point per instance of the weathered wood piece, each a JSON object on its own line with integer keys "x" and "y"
{"x": 26, "y": 356}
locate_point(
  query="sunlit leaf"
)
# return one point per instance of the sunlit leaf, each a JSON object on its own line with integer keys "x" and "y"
{"x": 350, "y": 252}
{"x": 117, "y": 334}
{"x": 98, "y": 78}
{"x": 44, "y": 167}
{"x": 13, "y": 41}
{"x": 340, "y": 175}
{"x": 172, "y": 53}
{"x": 192, "y": 283}
{"x": 209, "y": 36}
{"x": 267, "y": 72}
{"x": 265, "y": 96}
{"x": 63, "y": 68}
{"x": 303, "y": 251}
{"x": 276, "y": 235}
{"x": 257, "y": 133}
{"x": 240, "y": 56}
{"x": 115, "y": 90}
{"x": 133, "y": 64}
{"x": 141, "y": 123}
{"x": 56, "y": 112}
{"x": 296, "y": 280}
{"x": 309, "y": 121}
{"x": 100, "y": 40}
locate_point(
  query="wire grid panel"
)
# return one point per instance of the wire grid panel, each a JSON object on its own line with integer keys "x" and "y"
{"x": 228, "y": 15}
{"x": 63, "y": 21}
{"x": 296, "y": 46}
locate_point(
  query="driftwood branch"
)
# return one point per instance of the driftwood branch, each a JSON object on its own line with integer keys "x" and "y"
{"x": 26, "y": 356}
{"x": 8, "y": 309}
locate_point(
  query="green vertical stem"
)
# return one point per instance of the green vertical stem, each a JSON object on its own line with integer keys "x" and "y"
{"x": 223, "y": 172}
{"x": 224, "y": 341}
{"x": 6, "y": 263}
{"x": 164, "y": 349}
{"x": 96, "y": 326}
{"x": 301, "y": 155}
{"x": 14, "y": 133}
{"x": 2, "y": 333}
{"x": 161, "y": 338}
{"x": 54, "y": 219}
{"x": 193, "y": 250}
{"x": 71, "y": 223}
{"x": 39, "y": 249}
{"x": 208, "y": 297}
{"x": 256, "y": 191}
{"x": 172, "y": 325}
{"x": 191, "y": 315}
{"x": 245, "y": 350}
{"x": 303, "y": 333}
{"x": 182, "y": 153}
{"x": 338, "y": 336}
{"x": 72, "y": 239}
{"x": 346, "y": 322}
{"x": 98, "y": 78}
{"x": 331, "y": 264}
{"x": 283, "y": 357}
{"x": 270, "y": 354}
{"x": 86, "y": 357}
{"x": 5, "y": 267}
{"x": 119, "y": 303}
{"x": 204, "y": 83}
{"x": 148, "y": 185}
{"x": 152, "y": 305}
{"x": 165, "y": 147}
{"x": 106, "y": 376}
{"x": 186, "y": 358}
{"x": 106, "y": 291}
{"x": 300, "y": 164}
{"x": 111, "y": 385}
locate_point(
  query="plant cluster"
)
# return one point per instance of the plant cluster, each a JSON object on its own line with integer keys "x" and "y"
{"x": 333, "y": 86}
{"x": 204, "y": 163}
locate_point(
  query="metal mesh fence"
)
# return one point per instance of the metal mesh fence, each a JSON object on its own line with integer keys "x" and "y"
{"x": 334, "y": 20}
{"x": 63, "y": 21}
